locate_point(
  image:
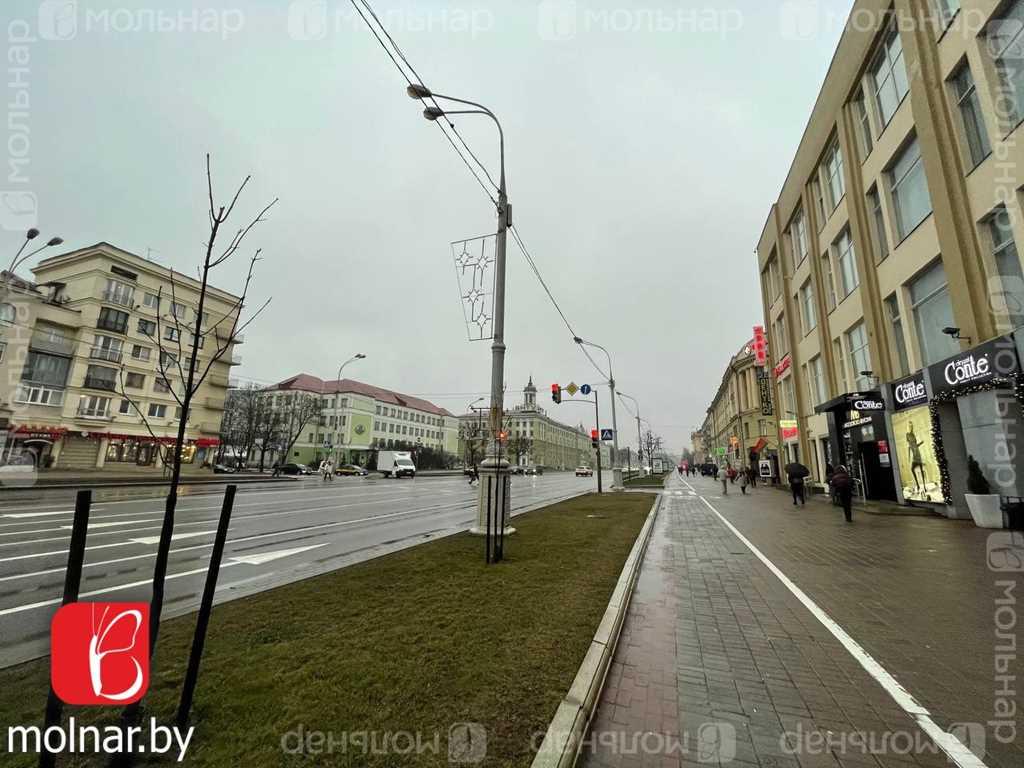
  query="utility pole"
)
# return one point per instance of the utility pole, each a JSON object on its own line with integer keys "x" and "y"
{"x": 597, "y": 418}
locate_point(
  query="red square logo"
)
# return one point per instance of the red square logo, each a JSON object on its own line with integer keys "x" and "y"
{"x": 99, "y": 653}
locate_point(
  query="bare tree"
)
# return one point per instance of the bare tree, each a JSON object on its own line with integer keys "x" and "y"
{"x": 651, "y": 444}
{"x": 176, "y": 357}
{"x": 268, "y": 427}
{"x": 473, "y": 435}
{"x": 520, "y": 446}
{"x": 296, "y": 411}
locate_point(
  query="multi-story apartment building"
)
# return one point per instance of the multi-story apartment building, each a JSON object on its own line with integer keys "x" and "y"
{"x": 356, "y": 418}
{"x": 741, "y": 421}
{"x": 552, "y": 444}
{"x": 890, "y": 272}
{"x": 91, "y": 356}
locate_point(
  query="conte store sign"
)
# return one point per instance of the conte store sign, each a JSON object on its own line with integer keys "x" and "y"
{"x": 985, "y": 362}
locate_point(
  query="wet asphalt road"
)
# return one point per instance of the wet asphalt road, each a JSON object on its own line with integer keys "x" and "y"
{"x": 279, "y": 533}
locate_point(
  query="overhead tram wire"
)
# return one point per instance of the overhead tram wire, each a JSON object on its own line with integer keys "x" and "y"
{"x": 409, "y": 81}
{"x": 412, "y": 69}
{"x": 515, "y": 232}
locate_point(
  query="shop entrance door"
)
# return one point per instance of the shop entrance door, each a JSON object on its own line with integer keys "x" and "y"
{"x": 878, "y": 479}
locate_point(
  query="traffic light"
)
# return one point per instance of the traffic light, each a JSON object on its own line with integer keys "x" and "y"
{"x": 556, "y": 394}
{"x": 503, "y": 436}
{"x": 595, "y": 438}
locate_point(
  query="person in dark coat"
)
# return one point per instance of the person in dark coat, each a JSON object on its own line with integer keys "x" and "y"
{"x": 842, "y": 486}
{"x": 796, "y": 473}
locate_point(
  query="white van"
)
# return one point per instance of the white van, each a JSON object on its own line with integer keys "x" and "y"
{"x": 395, "y": 464}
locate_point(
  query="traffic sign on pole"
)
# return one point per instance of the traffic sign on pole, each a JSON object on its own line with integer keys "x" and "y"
{"x": 585, "y": 390}
{"x": 607, "y": 435}
{"x": 572, "y": 389}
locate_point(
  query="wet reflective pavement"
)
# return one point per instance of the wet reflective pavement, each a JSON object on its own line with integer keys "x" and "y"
{"x": 720, "y": 662}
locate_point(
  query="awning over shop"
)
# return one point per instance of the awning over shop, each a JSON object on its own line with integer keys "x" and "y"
{"x": 38, "y": 431}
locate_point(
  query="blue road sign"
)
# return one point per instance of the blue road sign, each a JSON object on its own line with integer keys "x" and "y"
{"x": 606, "y": 435}
{"x": 585, "y": 390}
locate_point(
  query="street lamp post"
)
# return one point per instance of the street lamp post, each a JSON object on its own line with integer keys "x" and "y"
{"x": 639, "y": 438}
{"x": 18, "y": 259}
{"x": 359, "y": 356}
{"x": 616, "y": 467}
{"x": 496, "y": 465}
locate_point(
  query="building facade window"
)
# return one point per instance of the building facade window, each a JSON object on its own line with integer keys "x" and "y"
{"x": 860, "y": 109}
{"x": 909, "y": 186}
{"x": 901, "y": 361}
{"x": 45, "y": 369}
{"x": 878, "y": 224}
{"x": 840, "y": 361}
{"x": 829, "y": 279}
{"x": 799, "y": 236}
{"x": 889, "y": 76}
{"x": 117, "y": 292}
{"x": 808, "y": 315}
{"x": 975, "y": 133}
{"x": 101, "y": 377}
{"x": 93, "y": 406}
{"x": 157, "y": 411}
{"x": 846, "y": 258}
{"x": 151, "y": 300}
{"x": 932, "y": 311}
{"x": 860, "y": 356}
{"x": 113, "y": 320}
{"x": 833, "y": 170}
{"x": 147, "y": 328}
{"x": 1005, "y": 36}
{"x": 816, "y": 390}
{"x": 1007, "y": 267}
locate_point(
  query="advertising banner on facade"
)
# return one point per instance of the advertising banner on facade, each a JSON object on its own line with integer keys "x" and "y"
{"x": 918, "y": 469}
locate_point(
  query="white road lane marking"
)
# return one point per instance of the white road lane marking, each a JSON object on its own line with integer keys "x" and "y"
{"x": 950, "y": 744}
{"x": 174, "y": 537}
{"x": 99, "y": 525}
{"x": 266, "y": 557}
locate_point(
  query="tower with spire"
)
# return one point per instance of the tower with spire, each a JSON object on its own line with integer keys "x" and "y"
{"x": 530, "y": 396}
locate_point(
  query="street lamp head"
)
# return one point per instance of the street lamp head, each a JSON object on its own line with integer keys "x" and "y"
{"x": 55, "y": 241}
{"x": 432, "y": 113}
{"x": 32, "y": 234}
{"x": 577, "y": 339}
{"x": 950, "y": 331}
{"x": 418, "y": 91}
{"x": 360, "y": 356}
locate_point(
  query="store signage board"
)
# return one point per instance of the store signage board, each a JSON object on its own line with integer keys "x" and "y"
{"x": 760, "y": 345}
{"x": 993, "y": 359}
{"x": 764, "y": 385}
{"x": 909, "y": 392}
{"x": 783, "y": 366}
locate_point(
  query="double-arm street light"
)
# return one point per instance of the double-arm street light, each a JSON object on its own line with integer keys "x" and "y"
{"x": 497, "y": 464}
{"x": 18, "y": 259}
{"x": 616, "y": 467}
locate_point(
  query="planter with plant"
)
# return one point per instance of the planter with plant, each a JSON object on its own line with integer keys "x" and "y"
{"x": 984, "y": 504}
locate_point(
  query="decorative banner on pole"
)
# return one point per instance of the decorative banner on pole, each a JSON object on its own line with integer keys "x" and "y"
{"x": 474, "y": 268}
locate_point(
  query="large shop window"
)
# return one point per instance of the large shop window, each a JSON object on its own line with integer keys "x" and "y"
{"x": 933, "y": 311}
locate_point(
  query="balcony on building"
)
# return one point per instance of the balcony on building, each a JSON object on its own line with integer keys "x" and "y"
{"x": 120, "y": 298}
{"x": 113, "y": 320}
{"x": 94, "y": 412}
{"x": 101, "y": 378}
{"x": 106, "y": 353}
{"x": 236, "y": 358}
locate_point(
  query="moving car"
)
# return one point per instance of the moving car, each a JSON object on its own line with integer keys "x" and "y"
{"x": 584, "y": 472}
{"x": 535, "y": 470}
{"x": 395, "y": 464}
{"x": 294, "y": 469}
{"x": 351, "y": 469}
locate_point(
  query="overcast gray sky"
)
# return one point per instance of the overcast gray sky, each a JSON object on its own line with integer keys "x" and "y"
{"x": 645, "y": 143}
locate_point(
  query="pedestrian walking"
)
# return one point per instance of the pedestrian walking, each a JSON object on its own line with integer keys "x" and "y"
{"x": 277, "y": 470}
{"x": 474, "y": 476}
{"x": 723, "y": 475}
{"x": 842, "y": 487}
{"x": 796, "y": 473}
{"x": 744, "y": 479}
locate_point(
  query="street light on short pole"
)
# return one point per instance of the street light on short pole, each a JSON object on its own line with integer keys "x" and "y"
{"x": 358, "y": 356}
{"x": 639, "y": 439}
{"x": 616, "y": 468}
{"x": 497, "y": 464}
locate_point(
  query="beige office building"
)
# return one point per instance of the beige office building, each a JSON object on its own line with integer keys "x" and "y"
{"x": 898, "y": 224}
{"x": 91, "y": 357}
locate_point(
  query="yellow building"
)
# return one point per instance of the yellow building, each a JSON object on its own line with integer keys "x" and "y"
{"x": 91, "y": 356}
{"x": 890, "y": 259}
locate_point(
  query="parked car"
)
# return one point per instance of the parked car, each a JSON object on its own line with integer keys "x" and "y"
{"x": 351, "y": 469}
{"x": 584, "y": 472}
{"x": 535, "y": 470}
{"x": 224, "y": 469}
{"x": 517, "y": 470}
{"x": 294, "y": 469}
{"x": 395, "y": 464}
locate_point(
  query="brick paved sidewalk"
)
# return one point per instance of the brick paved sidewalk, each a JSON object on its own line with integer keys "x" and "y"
{"x": 720, "y": 664}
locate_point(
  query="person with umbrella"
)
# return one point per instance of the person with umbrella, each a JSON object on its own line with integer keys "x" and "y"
{"x": 796, "y": 473}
